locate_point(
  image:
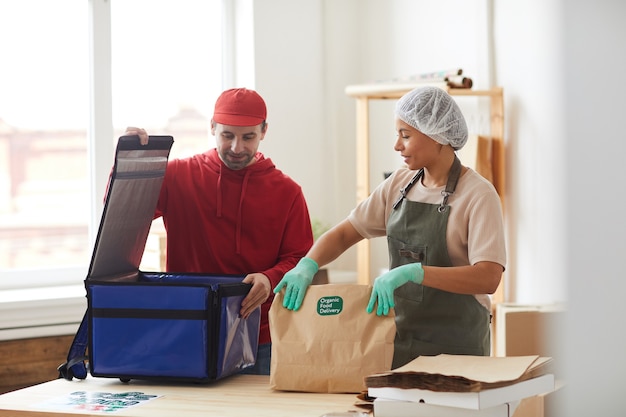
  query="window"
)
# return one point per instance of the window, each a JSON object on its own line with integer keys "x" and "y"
{"x": 43, "y": 136}
{"x": 166, "y": 71}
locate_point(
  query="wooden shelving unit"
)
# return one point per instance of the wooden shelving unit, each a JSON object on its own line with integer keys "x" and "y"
{"x": 363, "y": 94}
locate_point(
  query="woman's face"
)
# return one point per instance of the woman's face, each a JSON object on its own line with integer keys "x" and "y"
{"x": 417, "y": 149}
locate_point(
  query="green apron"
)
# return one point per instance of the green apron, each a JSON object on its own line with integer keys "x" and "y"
{"x": 431, "y": 321}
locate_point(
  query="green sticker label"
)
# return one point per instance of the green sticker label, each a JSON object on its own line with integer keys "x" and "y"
{"x": 329, "y": 306}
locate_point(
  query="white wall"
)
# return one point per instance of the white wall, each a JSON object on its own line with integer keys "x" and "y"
{"x": 289, "y": 71}
{"x": 305, "y": 54}
{"x": 528, "y": 66}
{"x": 594, "y": 339}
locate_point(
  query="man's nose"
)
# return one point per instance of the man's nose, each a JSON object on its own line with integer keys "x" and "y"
{"x": 237, "y": 145}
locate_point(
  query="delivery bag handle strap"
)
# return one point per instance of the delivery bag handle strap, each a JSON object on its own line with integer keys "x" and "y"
{"x": 75, "y": 366}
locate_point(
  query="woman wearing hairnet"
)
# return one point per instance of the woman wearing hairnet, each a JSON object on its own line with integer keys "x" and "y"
{"x": 445, "y": 234}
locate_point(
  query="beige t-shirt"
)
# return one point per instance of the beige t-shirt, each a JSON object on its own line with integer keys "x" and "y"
{"x": 475, "y": 229}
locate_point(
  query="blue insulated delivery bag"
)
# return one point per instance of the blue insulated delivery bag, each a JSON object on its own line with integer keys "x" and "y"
{"x": 154, "y": 325}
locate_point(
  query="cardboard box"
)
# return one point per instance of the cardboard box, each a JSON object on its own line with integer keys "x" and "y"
{"x": 391, "y": 408}
{"x": 469, "y": 400}
{"x": 522, "y": 330}
{"x": 530, "y": 407}
{"x": 545, "y": 405}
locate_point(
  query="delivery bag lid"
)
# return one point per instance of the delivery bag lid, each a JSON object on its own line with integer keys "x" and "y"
{"x": 131, "y": 199}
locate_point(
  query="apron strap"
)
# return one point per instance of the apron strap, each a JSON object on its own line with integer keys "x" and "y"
{"x": 453, "y": 179}
{"x": 406, "y": 189}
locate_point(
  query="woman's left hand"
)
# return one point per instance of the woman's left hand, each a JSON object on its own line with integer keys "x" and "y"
{"x": 386, "y": 284}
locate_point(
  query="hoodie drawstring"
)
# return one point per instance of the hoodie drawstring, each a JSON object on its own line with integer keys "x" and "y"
{"x": 244, "y": 186}
{"x": 219, "y": 193}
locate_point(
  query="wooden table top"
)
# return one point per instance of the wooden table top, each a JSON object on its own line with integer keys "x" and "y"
{"x": 236, "y": 396}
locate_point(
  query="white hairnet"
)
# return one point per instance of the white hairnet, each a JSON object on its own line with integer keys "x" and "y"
{"x": 433, "y": 112}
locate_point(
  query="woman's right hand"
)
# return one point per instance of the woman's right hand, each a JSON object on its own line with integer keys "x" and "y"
{"x": 296, "y": 282}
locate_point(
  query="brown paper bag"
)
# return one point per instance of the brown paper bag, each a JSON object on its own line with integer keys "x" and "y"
{"x": 331, "y": 343}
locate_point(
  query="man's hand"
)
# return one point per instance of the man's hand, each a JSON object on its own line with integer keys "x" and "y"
{"x": 143, "y": 135}
{"x": 386, "y": 284}
{"x": 260, "y": 291}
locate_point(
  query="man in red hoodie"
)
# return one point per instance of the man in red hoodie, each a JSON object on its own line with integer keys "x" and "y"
{"x": 231, "y": 211}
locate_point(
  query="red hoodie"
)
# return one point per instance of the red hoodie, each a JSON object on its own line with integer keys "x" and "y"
{"x": 233, "y": 222}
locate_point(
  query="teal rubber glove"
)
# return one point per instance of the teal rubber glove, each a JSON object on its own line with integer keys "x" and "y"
{"x": 296, "y": 282}
{"x": 386, "y": 284}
